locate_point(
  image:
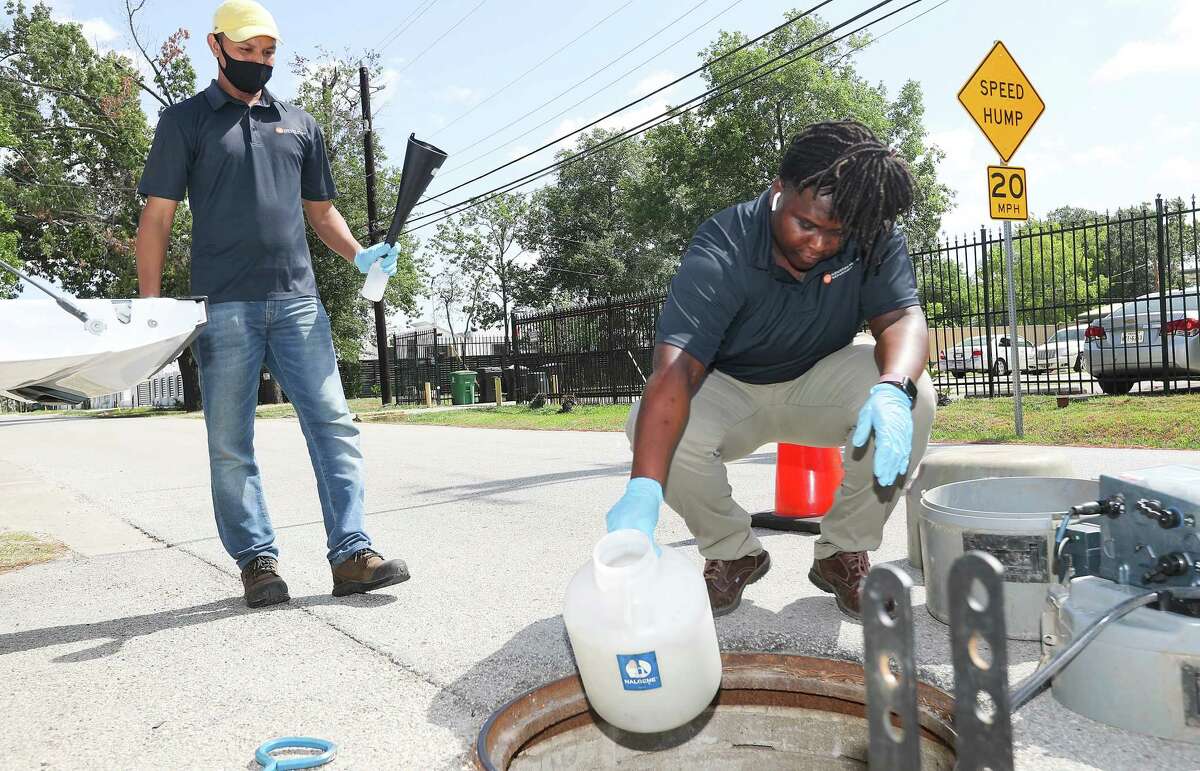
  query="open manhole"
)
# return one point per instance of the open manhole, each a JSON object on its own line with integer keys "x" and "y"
{"x": 774, "y": 711}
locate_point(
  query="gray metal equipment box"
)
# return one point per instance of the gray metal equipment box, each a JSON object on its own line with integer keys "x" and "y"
{"x": 1149, "y": 536}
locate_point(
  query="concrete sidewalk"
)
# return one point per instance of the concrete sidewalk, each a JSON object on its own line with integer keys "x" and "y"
{"x": 137, "y": 651}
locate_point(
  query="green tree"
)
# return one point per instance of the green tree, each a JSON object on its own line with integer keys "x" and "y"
{"x": 1056, "y": 272}
{"x": 68, "y": 175}
{"x": 729, "y": 149}
{"x": 329, "y": 91}
{"x": 459, "y": 295}
{"x": 948, "y": 294}
{"x": 1130, "y": 258}
{"x": 484, "y": 244}
{"x": 579, "y": 226}
{"x": 8, "y": 238}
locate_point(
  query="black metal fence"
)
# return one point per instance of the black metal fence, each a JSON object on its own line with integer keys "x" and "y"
{"x": 430, "y": 356}
{"x": 1131, "y": 278}
{"x": 1102, "y": 305}
{"x": 598, "y": 352}
{"x": 1106, "y": 305}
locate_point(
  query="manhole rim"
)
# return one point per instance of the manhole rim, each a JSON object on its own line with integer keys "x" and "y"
{"x": 519, "y": 721}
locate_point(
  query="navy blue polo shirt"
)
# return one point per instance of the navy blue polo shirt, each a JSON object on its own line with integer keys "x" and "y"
{"x": 244, "y": 171}
{"x": 735, "y": 310}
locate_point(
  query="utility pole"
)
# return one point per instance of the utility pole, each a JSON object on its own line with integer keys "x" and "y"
{"x": 381, "y": 343}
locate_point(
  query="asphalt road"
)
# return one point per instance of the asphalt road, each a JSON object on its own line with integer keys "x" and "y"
{"x": 136, "y": 651}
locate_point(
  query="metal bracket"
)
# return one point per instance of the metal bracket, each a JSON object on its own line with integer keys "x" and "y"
{"x": 894, "y": 729}
{"x": 977, "y": 619}
{"x": 124, "y": 310}
{"x": 1191, "y": 693}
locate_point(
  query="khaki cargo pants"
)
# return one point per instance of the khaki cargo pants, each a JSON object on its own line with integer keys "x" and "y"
{"x": 731, "y": 419}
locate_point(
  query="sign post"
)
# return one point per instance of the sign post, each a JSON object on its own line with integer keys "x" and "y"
{"x": 1004, "y": 104}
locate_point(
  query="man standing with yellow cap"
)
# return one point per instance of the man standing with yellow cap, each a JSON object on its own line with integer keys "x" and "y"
{"x": 253, "y": 167}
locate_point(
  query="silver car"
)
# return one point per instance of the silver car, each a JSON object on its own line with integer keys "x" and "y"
{"x": 972, "y": 356}
{"x": 1126, "y": 346}
{"x": 1064, "y": 349}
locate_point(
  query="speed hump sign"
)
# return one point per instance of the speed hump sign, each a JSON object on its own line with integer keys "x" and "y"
{"x": 1006, "y": 193}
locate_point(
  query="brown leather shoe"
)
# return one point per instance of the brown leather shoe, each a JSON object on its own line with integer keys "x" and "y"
{"x": 842, "y": 575}
{"x": 260, "y": 579}
{"x": 727, "y": 578}
{"x": 365, "y": 571}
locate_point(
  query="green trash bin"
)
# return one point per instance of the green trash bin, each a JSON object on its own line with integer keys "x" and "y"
{"x": 462, "y": 387}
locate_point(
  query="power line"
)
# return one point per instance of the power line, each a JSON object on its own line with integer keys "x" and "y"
{"x": 882, "y": 35}
{"x": 400, "y": 28}
{"x": 427, "y": 48}
{"x": 606, "y": 86}
{"x": 562, "y": 48}
{"x": 453, "y": 27}
{"x": 665, "y": 117}
{"x": 707, "y": 96}
{"x": 709, "y": 63}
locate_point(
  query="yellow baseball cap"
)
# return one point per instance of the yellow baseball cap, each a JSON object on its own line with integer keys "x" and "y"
{"x": 243, "y": 19}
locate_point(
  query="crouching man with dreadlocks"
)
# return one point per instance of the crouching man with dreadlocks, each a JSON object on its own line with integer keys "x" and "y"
{"x": 757, "y": 344}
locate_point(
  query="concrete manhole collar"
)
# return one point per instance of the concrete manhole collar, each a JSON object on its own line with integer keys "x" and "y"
{"x": 773, "y": 711}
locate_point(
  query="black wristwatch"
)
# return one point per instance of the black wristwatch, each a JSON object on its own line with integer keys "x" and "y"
{"x": 905, "y": 384}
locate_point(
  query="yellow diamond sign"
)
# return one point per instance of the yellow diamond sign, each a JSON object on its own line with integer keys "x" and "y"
{"x": 1002, "y": 101}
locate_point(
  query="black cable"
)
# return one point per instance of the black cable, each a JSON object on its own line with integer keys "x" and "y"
{"x": 396, "y": 32}
{"x": 1032, "y": 685}
{"x": 427, "y": 48}
{"x": 882, "y": 35}
{"x": 452, "y": 27}
{"x": 671, "y": 114}
{"x": 639, "y": 100}
{"x": 558, "y": 51}
{"x": 578, "y": 83}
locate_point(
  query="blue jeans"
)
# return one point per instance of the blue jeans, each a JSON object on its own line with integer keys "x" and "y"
{"x": 292, "y": 337}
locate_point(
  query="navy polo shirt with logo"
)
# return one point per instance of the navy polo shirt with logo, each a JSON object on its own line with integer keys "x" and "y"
{"x": 736, "y": 311}
{"x": 244, "y": 171}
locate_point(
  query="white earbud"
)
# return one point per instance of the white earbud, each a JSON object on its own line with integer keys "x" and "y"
{"x": 775, "y": 202}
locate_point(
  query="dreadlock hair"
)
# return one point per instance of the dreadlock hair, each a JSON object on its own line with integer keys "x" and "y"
{"x": 870, "y": 185}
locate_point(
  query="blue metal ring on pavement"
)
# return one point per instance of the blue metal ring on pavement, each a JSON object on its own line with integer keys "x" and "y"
{"x": 263, "y": 753}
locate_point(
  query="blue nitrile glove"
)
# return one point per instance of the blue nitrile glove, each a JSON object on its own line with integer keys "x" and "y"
{"x": 889, "y": 412}
{"x": 638, "y": 508}
{"x": 367, "y": 256}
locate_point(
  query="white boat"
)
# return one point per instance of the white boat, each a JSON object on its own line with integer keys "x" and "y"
{"x": 64, "y": 350}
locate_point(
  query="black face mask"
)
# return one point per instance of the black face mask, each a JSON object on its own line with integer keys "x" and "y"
{"x": 247, "y": 77}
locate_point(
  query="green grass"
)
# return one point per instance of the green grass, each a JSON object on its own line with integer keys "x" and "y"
{"x": 141, "y": 412}
{"x": 18, "y": 550}
{"x": 370, "y": 404}
{"x": 585, "y": 417}
{"x": 1164, "y": 422}
{"x": 1169, "y": 422}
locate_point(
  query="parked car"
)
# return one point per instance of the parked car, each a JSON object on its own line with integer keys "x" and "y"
{"x": 972, "y": 356}
{"x": 1126, "y": 346}
{"x": 1063, "y": 349}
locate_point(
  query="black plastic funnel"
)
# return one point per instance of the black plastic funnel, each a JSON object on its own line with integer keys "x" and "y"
{"x": 421, "y": 160}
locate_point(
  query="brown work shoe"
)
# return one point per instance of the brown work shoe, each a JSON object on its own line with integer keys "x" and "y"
{"x": 842, "y": 575}
{"x": 262, "y": 583}
{"x": 727, "y": 578}
{"x": 365, "y": 571}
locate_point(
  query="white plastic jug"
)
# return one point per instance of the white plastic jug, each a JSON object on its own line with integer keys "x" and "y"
{"x": 643, "y": 635}
{"x": 375, "y": 283}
